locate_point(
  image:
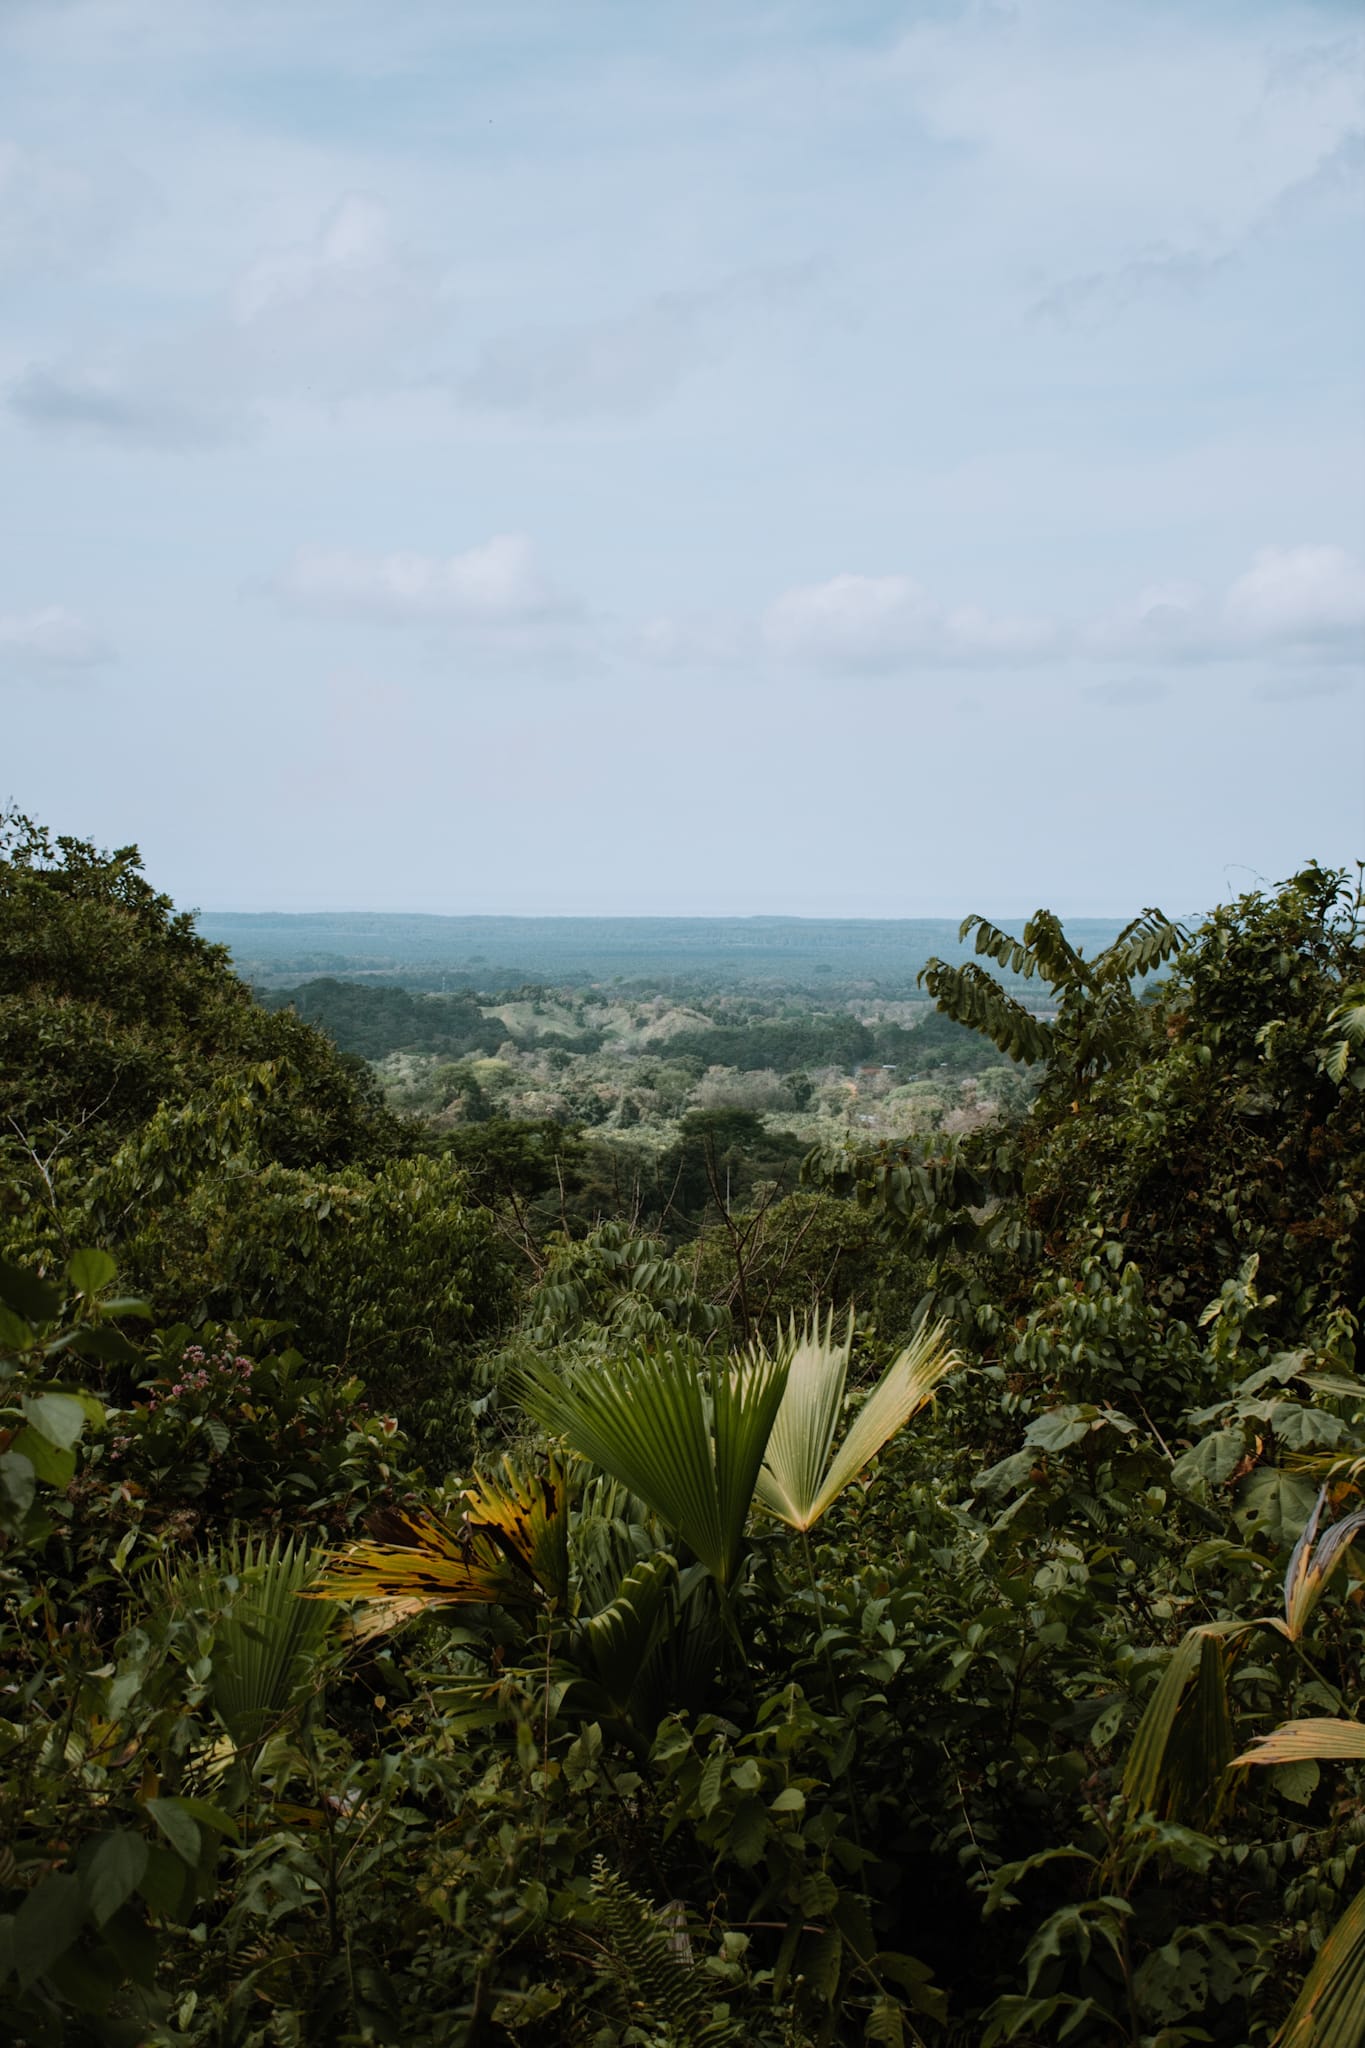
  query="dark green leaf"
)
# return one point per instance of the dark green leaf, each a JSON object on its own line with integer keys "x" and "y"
{"x": 113, "y": 1872}
{"x": 45, "y": 1926}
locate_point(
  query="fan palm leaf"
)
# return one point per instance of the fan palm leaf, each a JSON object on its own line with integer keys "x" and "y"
{"x": 267, "y": 1642}
{"x": 800, "y": 1479}
{"x": 510, "y": 1550}
{"x": 688, "y": 1439}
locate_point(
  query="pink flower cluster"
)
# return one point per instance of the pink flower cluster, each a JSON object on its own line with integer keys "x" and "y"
{"x": 223, "y": 1372}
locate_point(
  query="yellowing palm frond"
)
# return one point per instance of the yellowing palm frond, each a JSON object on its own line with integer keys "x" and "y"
{"x": 1295, "y": 1742}
{"x": 414, "y": 1561}
{"x": 1312, "y": 1564}
{"x": 799, "y": 1479}
{"x": 527, "y": 1515}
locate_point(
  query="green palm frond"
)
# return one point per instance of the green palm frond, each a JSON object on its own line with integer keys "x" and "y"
{"x": 615, "y": 1643}
{"x": 267, "y": 1641}
{"x": 800, "y": 1478}
{"x": 1330, "y": 2010}
{"x": 1184, "y": 1740}
{"x": 687, "y": 1438}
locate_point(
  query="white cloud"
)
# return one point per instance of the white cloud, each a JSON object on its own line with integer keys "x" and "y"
{"x": 495, "y": 586}
{"x": 345, "y": 313}
{"x": 1301, "y": 595}
{"x": 1308, "y": 600}
{"x": 50, "y": 641}
{"x": 874, "y": 621}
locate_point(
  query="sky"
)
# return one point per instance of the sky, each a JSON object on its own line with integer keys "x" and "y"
{"x": 826, "y": 457}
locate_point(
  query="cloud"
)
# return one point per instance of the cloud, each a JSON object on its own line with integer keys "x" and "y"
{"x": 876, "y": 621}
{"x": 319, "y": 322}
{"x": 1308, "y": 601}
{"x": 629, "y": 364}
{"x": 51, "y": 213}
{"x": 1160, "y": 273}
{"x": 52, "y": 641}
{"x": 1130, "y": 694}
{"x": 105, "y": 403}
{"x": 1296, "y": 689}
{"x": 1301, "y": 596}
{"x": 1336, "y": 180}
{"x": 494, "y": 587}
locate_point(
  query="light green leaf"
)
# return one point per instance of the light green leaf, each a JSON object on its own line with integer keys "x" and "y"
{"x": 18, "y": 1483}
{"x": 54, "y": 1467}
{"x": 1297, "y": 1782}
{"x": 1275, "y": 1504}
{"x": 90, "y": 1271}
{"x": 61, "y": 1418}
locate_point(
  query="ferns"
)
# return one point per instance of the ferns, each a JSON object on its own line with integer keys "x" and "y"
{"x": 667, "y": 1991}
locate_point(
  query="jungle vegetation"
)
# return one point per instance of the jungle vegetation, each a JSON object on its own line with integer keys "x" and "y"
{"x": 899, "y": 1587}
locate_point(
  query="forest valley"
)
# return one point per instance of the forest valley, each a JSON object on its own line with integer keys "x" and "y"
{"x": 603, "y": 1516}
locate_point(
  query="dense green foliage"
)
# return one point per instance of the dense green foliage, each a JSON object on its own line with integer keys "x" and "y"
{"x": 712, "y": 1697}
{"x": 372, "y": 1021}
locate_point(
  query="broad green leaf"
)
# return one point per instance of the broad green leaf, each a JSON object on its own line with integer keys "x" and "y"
{"x": 61, "y": 1418}
{"x": 90, "y": 1271}
{"x": 54, "y": 1467}
{"x": 165, "y": 1882}
{"x": 37, "y": 1301}
{"x": 113, "y": 1872}
{"x": 1275, "y": 1504}
{"x": 749, "y": 1829}
{"x": 15, "y": 1334}
{"x": 179, "y": 1828}
{"x": 18, "y": 1483}
{"x": 1297, "y": 1781}
{"x": 1210, "y": 1464}
{"x": 45, "y": 1926}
